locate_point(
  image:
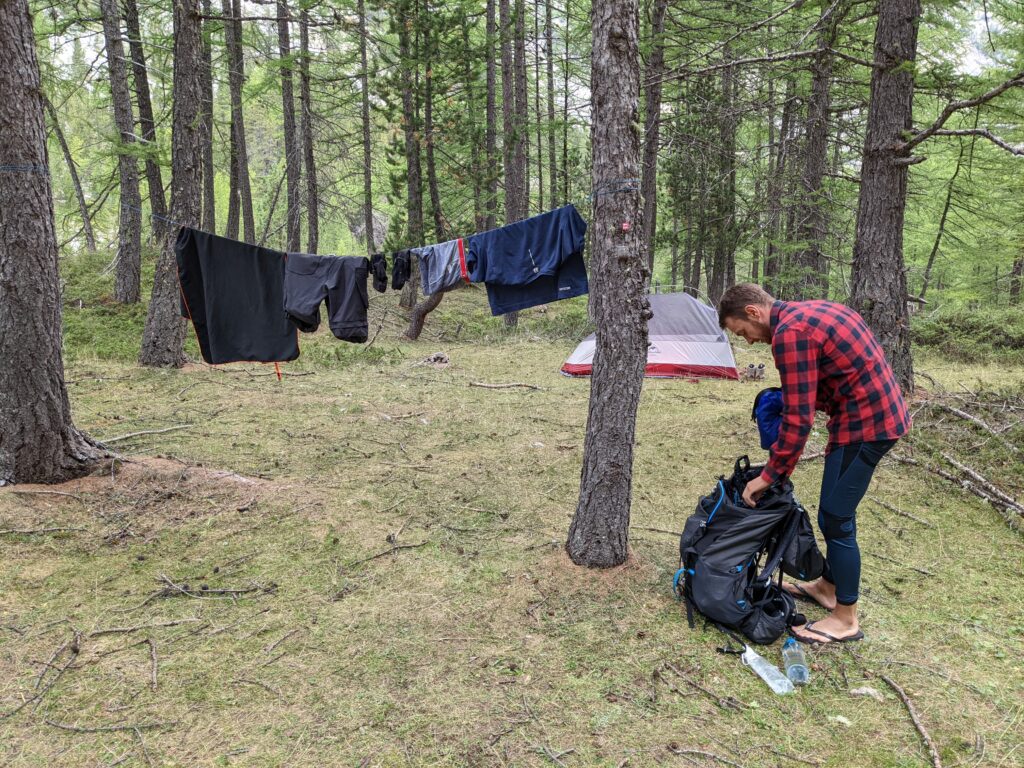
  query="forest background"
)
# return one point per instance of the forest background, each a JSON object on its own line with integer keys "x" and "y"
{"x": 754, "y": 122}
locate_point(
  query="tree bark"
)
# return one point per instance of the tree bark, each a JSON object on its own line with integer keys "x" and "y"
{"x": 236, "y": 81}
{"x": 365, "y": 113}
{"x": 292, "y": 158}
{"x": 536, "y": 106}
{"x": 599, "y": 534}
{"x": 652, "y": 123}
{"x": 428, "y": 125}
{"x": 773, "y": 259}
{"x": 410, "y": 122}
{"x": 419, "y": 314}
{"x": 490, "y": 134}
{"x": 878, "y": 276}
{"x": 306, "y": 102}
{"x": 811, "y": 213}
{"x": 1015, "y": 279}
{"x": 147, "y": 125}
{"x": 565, "y": 105}
{"x": 90, "y": 241}
{"x": 38, "y": 441}
{"x": 209, "y": 216}
{"x": 517, "y": 185}
{"x": 129, "y": 238}
{"x": 164, "y": 335}
{"x": 550, "y": 56}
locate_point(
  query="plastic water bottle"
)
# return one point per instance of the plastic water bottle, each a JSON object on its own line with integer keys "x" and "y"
{"x": 767, "y": 671}
{"x": 795, "y": 662}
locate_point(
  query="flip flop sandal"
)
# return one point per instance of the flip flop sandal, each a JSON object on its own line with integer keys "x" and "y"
{"x": 803, "y": 594}
{"x": 830, "y": 638}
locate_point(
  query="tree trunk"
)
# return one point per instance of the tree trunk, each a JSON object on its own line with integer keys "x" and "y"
{"x": 428, "y": 125}
{"x": 209, "y": 219}
{"x": 536, "y": 106}
{"x": 129, "y": 238}
{"x": 292, "y": 158}
{"x": 38, "y": 441}
{"x": 236, "y": 81}
{"x": 164, "y": 335}
{"x": 147, "y": 125}
{"x": 599, "y": 534}
{"x": 652, "y": 122}
{"x": 878, "y": 276}
{"x": 811, "y": 212}
{"x": 371, "y": 240}
{"x": 565, "y": 104}
{"x": 90, "y": 241}
{"x": 306, "y": 102}
{"x": 1015, "y": 279}
{"x": 419, "y": 314}
{"x": 517, "y": 186}
{"x": 942, "y": 224}
{"x": 234, "y": 198}
{"x": 773, "y": 260}
{"x": 410, "y": 123}
{"x": 490, "y": 135}
{"x": 550, "y": 56}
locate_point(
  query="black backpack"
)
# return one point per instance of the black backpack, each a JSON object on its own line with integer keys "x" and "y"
{"x": 728, "y": 553}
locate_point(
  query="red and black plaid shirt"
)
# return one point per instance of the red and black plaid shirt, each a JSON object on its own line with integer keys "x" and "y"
{"x": 830, "y": 361}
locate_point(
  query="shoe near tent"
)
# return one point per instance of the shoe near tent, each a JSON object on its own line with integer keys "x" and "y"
{"x": 684, "y": 341}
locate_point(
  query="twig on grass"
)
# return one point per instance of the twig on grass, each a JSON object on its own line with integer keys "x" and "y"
{"x": 936, "y": 762}
{"x": 725, "y": 703}
{"x": 922, "y": 571}
{"x": 900, "y": 512}
{"x": 152, "y": 663}
{"x": 126, "y": 630}
{"x": 46, "y": 493}
{"x": 391, "y": 551}
{"x": 40, "y": 692}
{"x": 264, "y": 686}
{"x": 555, "y": 757}
{"x": 270, "y": 648}
{"x": 484, "y": 385}
{"x": 110, "y": 728}
{"x": 119, "y": 438}
{"x": 697, "y": 753}
{"x": 36, "y": 531}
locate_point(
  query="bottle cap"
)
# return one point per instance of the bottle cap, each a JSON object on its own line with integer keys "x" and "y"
{"x": 789, "y": 642}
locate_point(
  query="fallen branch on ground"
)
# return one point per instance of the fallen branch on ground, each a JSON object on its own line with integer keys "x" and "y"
{"x": 125, "y": 630}
{"x": 979, "y": 423}
{"x": 900, "y": 512}
{"x": 936, "y": 762}
{"x": 35, "y": 531}
{"x": 391, "y": 551}
{"x": 110, "y": 728}
{"x": 502, "y": 386}
{"x": 697, "y": 753}
{"x": 21, "y": 492}
{"x": 727, "y": 702}
{"x": 119, "y": 438}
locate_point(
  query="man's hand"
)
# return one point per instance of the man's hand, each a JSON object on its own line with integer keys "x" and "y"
{"x": 754, "y": 490}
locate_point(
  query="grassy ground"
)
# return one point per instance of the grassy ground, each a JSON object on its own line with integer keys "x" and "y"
{"x": 391, "y": 539}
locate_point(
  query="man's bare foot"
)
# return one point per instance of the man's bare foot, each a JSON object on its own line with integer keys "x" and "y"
{"x": 818, "y": 591}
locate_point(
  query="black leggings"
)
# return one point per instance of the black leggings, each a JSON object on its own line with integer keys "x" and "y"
{"x": 848, "y": 471}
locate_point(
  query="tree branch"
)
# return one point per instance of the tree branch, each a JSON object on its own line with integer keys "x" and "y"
{"x": 985, "y": 133}
{"x": 954, "y": 106}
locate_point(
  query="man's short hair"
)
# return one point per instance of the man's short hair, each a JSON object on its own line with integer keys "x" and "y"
{"x": 739, "y": 296}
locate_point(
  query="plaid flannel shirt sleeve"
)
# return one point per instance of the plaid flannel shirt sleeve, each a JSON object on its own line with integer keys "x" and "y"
{"x": 796, "y": 352}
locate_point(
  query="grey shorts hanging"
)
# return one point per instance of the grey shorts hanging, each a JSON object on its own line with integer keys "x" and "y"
{"x": 338, "y": 280}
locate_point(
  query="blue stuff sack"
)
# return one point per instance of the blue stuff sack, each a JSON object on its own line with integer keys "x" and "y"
{"x": 767, "y": 412}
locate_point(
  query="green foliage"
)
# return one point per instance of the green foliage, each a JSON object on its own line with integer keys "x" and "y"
{"x": 973, "y": 336}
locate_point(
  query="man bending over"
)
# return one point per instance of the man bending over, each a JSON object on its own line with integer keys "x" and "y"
{"x": 829, "y": 360}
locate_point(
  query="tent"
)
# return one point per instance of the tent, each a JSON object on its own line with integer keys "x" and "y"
{"x": 684, "y": 341}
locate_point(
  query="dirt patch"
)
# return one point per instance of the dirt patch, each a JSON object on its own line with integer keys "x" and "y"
{"x": 134, "y": 498}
